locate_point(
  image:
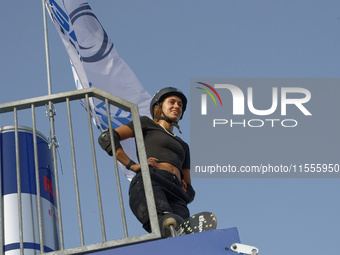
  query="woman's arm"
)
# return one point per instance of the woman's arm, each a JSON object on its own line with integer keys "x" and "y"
{"x": 125, "y": 132}
{"x": 188, "y": 189}
{"x": 186, "y": 176}
{"x": 122, "y": 133}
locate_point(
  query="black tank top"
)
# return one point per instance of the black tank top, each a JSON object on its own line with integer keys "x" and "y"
{"x": 163, "y": 146}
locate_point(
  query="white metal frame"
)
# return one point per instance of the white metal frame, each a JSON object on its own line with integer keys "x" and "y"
{"x": 66, "y": 97}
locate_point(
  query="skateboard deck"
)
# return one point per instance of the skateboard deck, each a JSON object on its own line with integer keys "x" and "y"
{"x": 199, "y": 222}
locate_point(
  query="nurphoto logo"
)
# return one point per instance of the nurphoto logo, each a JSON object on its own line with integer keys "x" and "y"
{"x": 243, "y": 101}
{"x": 264, "y": 127}
{"x": 204, "y": 97}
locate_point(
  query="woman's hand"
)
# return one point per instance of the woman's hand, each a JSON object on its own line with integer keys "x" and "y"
{"x": 153, "y": 162}
{"x": 135, "y": 168}
{"x": 184, "y": 186}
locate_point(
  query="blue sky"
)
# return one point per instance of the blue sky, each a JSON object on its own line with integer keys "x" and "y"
{"x": 167, "y": 43}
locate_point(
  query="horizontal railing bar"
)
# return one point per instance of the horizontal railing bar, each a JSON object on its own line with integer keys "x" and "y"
{"x": 107, "y": 245}
{"x": 61, "y": 97}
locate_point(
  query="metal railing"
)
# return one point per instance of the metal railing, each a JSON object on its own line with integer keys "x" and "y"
{"x": 66, "y": 98}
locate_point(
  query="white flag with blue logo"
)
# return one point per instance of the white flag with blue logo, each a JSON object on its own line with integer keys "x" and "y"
{"x": 96, "y": 63}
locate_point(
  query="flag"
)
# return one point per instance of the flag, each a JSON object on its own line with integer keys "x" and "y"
{"x": 96, "y": 63}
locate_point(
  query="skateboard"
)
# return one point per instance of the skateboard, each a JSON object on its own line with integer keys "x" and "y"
{"x": 199, "y": 222}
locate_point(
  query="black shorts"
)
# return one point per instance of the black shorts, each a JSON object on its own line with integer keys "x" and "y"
{"x": 168, "y": 193}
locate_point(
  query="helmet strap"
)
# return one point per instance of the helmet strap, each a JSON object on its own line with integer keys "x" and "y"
{"x": 167, "y": 119}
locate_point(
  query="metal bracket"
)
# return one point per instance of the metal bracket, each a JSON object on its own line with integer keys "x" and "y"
{"x": 245, "y": 249}
{"x": 53, "y": 142}
{"x": 50, "y": 112}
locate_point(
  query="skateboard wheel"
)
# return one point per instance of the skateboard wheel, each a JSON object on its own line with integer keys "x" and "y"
{"x": 170, "y": 222}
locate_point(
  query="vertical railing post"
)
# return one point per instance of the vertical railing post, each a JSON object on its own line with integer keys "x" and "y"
{"x": 75, "y": 176}
{"x": 116, "y": 171}
{"x": 37, "y": 180}
{"x": 17, "y": 162}
{"x": 53, "y": 146}
{"x": 150, "y": 200}
{"x": 2, "y": 237}
{"x": 95, "y": 168}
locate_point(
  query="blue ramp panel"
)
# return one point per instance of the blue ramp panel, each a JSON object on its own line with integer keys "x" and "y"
{"x": 209, "y": 242}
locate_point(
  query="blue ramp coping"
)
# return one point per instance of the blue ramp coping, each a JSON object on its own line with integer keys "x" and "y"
{"x": 215, "y": 242}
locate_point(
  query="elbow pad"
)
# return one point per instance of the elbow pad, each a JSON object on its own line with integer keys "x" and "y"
{"x": 105, "y": 141}
{"x": 190, "y": 192}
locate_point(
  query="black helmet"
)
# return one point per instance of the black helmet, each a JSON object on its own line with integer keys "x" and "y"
{"x": 164, "y": 93}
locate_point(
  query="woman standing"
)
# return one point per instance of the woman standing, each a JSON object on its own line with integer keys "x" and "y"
{"x": 168, "y": 159}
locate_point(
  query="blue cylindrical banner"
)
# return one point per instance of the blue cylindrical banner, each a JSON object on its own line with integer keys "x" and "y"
{"x": 28, "y": 186}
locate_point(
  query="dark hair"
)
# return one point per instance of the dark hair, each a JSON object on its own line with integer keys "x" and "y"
{"x": 157, "y": 111}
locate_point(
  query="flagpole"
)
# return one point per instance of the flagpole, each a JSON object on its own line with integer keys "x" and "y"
{"x": 53, "y": 143}
{"x": 47, "y": 52}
